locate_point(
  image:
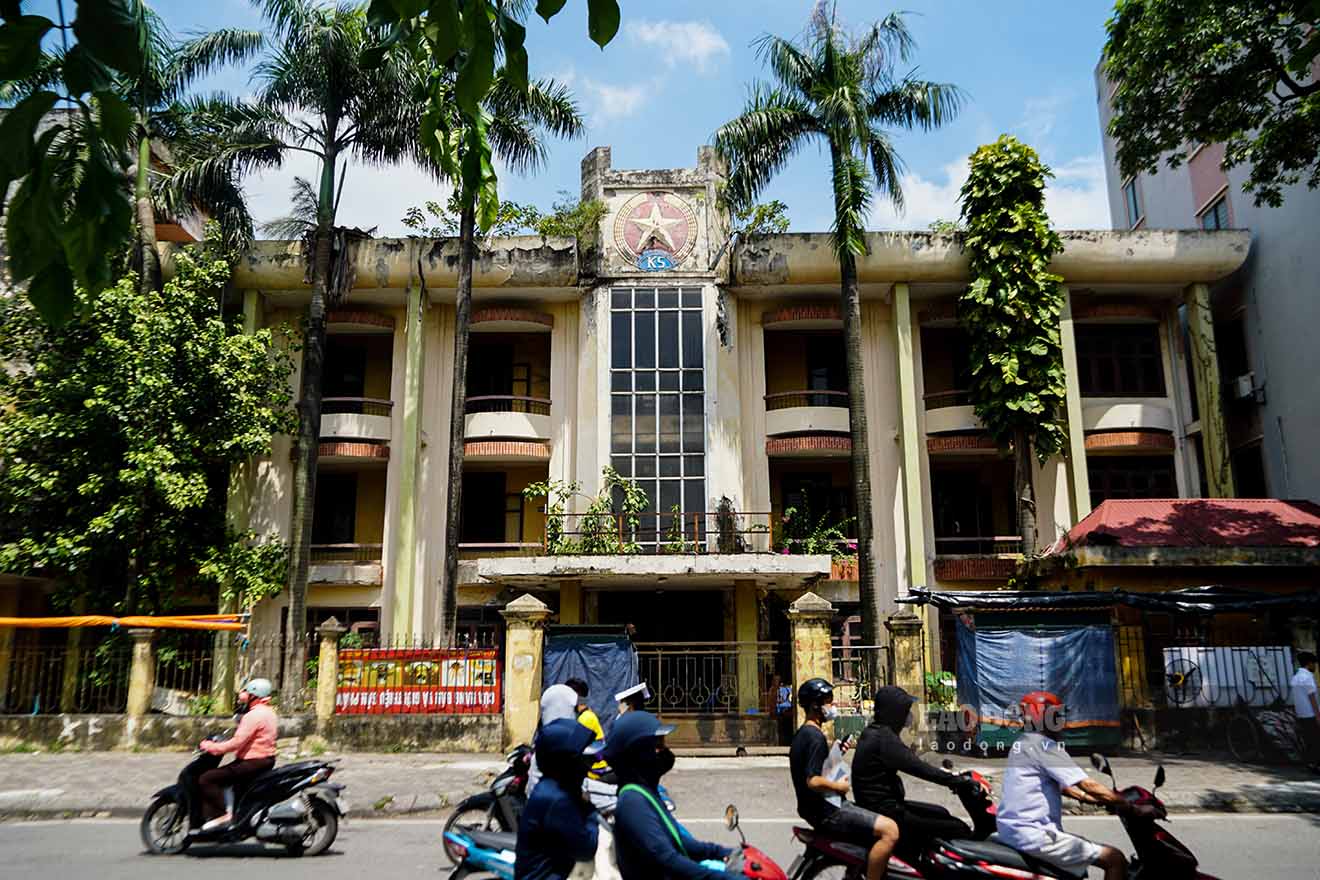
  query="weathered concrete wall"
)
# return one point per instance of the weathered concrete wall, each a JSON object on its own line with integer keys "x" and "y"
{"x": 417, "y": 733}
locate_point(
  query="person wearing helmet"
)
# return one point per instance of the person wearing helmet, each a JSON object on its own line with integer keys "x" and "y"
{"x": 558, "y": 827}
{"x": 1039, "y": 773}
{"x": 881, "y": 756}
{"x": 253, "y": 746}
{"x": 557, "y": 703}
{"x": 806, "y": 761}
{"x": 650, "y": 843}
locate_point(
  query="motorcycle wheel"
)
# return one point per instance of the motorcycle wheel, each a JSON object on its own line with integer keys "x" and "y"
{"x": 324, "y": 830}
{"x": 164, "y": 827}
{"x": 479, "y": 812}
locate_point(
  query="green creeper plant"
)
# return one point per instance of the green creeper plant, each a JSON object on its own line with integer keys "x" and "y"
{"x": 1011, "y": 311}
{"x": 598, "y": 531}
{"x": 1238, "y": 72}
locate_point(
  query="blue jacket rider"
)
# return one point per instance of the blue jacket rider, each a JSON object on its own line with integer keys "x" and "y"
{"x": 649, "y": 842}
{"x": 558, "y": 826}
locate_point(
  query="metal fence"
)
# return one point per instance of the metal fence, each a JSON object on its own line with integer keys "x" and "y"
{"x": 858, "y": 671}
{"x": 52, "y": 679}
{"x": 419, "y": 675}
{"x": 709, "y": 678}
{"x": 667, "y": 532}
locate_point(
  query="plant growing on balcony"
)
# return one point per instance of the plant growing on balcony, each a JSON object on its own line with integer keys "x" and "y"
{"x": 799, "y": 533}
{"x": 675, "y": 538}
{"x": 1011, "y": 311}
{"x": 599, "y": 531}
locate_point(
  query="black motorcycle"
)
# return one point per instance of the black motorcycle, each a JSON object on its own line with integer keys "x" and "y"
{"x": 497, "y": 808}
{"x": 293, "y": 805}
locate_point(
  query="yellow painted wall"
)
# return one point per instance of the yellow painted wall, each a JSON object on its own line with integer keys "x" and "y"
{"x": 369, "y": 527}
{"x": 785, "y": 361}
{"x": 380, "y": 362}
{"x": 937, "y": 349}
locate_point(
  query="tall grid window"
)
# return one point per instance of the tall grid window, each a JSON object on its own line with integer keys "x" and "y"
{"x": 657, "y": 401}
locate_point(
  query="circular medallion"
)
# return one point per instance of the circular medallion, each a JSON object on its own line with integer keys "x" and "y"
{"x": 655, "y": 230}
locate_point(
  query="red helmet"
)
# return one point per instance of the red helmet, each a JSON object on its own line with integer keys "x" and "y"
{"x": 1040, "y": 708}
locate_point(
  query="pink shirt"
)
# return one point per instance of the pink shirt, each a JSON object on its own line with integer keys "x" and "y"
{"x": 255, "y": 737}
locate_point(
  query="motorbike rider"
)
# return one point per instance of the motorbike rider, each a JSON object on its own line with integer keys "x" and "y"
{"x": 558, "y": 702}
{"x": 253, "y": 745}
{"x": 650, "y": 843}
{"x": 588, "y": 719}
{"x": 806, "y": 760}
{"x": 878, "y": 760}
{"x": 633, "y": 699}
{"x": 558, "y": 826}
{"x": 1039, "y": 771}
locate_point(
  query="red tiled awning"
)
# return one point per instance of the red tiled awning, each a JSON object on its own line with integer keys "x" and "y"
{"x": 1196, "y": 522}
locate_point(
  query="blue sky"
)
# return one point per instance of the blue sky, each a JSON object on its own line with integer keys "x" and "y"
{"x": 679, "y": 69}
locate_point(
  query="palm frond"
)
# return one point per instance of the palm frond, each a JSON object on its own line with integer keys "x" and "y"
{"x": 916, "y": 103}
{"x": 301, "y": 219}
{"x": 792, "y": 67}
{"x": 887, "y": 166}
{"x": 49, "y": 72}
{"x": 757, "y": 143}
{"x": 852, "y": 205}
{"x": 519, "y": 118}
{"x": 202, "y": 55}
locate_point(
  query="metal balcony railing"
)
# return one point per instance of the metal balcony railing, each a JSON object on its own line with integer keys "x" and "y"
{"x": 507, "y": 403}
{"x": 944, "y": 399}
{"x": 359, "y": 406}
{"x": 979, "y": 545}
{"x": 346, "y": 552}
{"x": 790, "y": 399}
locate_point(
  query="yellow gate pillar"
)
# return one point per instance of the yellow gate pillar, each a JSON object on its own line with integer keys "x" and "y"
{"x": 909, "y": 659}
{"x": 141, "y": 674}
{"x": 809, "y": 621}
{"x": 327, "y": 671}
{"x": 524, "y": 643}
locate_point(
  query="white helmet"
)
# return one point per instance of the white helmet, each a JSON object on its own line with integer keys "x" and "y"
{"x": 259, "y": 687}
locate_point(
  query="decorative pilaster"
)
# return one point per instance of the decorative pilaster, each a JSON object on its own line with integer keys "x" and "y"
{"x": 524, "y": 644}
{"x": 407, "y": 447}
{"x": 909, "y": 437}
{"x": 1079, "y": 483}
{"x": 809, "y": 621}
{"x": 1205, "y": 366}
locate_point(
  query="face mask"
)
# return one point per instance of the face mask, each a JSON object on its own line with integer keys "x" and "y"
{"x": 664, "y": 761}
{"x": 830, "y": 713}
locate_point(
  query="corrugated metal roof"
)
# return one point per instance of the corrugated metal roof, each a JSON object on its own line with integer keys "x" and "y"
{"x": 1196, "y": 522}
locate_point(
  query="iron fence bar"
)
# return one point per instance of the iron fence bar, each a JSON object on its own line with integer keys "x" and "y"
{"x": 362, "y": 406}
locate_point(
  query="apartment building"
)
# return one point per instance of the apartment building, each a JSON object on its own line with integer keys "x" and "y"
{"x": 711, "y": 372}
{"x": 1264, "y": 313}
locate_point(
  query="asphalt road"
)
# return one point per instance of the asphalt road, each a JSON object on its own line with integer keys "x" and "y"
{"x": 1255, "y": 846}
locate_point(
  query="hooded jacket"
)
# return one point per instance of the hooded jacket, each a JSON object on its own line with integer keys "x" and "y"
{"x": 881, "y": 756}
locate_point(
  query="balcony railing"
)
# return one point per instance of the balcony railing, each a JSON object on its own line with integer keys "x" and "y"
{"x": 979, "y": 545}
{"x": 472, "y": 549}
{"x": 790, "y": 399}
{"x": 661, "y": 532}
{"x": 507, "y": 403}
{"x": 357, "y": 406}
{"x": 346, "y": 553}
{"x": 945, "y": 399}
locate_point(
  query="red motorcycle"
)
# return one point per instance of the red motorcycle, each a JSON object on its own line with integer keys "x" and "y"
{"x": 747, "y": 860}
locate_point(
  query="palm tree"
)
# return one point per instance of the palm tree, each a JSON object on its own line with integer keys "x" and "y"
{"x": 315, "y": 98}
{"x": 838, "y": 89}
{"x": 515, "y": 122}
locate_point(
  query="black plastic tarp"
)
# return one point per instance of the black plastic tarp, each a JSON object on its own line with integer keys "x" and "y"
{"x": 1191, "y": 600}
{"x": 607, "y": 663}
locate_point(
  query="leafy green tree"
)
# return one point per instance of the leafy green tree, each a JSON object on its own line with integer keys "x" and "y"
{"x": 512, "y": 218}
{"x": 571, "y": 217}
{"x": 315, "y": 97}
{"x": 838, "y": 90}
{"x": 1011, "y": 311}
{"x": 120, "y": 428}
{"x": 1238, "y": 72}
{"x": 69, "y": 217}
{"x": 770, "y": 217}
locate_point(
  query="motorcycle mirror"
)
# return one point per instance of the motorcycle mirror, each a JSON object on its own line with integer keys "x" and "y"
{"x": 946, "y": 764}
{"x": 731, "y": 817}
{"x": 1159, "y": 775}
{"x": 1101, "y": 763}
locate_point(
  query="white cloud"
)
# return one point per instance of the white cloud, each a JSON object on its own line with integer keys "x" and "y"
{"x": 1039, "y": 116}
{"x": 1075, "y": 198}
{"x": 694, "y": 42}
{"x": 605, "y": 101}
{"x": 371, "y": 196}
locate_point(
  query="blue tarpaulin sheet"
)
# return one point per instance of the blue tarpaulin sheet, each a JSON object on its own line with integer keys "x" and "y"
{"x": 608, "y": 664}
{"x": 997, "y": 665}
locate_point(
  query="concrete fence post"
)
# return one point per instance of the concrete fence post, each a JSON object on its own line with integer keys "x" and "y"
{"x": 141, "y": 674}
{"x": 809, "y": 619}
{"x": 909, "y": 660}
{"x": 327, "y": 671}
{"x": 524, "y": 643}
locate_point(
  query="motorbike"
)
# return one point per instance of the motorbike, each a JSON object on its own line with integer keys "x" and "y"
{"x": 294, "y": 805}
{"x": 497, "y": 808}
{"x": 1158, "y": 854}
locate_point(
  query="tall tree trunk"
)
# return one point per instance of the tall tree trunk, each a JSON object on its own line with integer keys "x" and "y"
{"x": 309, "y": 438}
{"x": 149, "y": 280}
{"x": 874, "y": 605}
{"x": 457, "y": 417}
{"x": 1025, "y": 491}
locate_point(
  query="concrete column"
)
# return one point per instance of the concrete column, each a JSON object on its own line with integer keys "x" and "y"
{"x": 524, "y": 642}
{"x": 570, "y": 602}
{"x": 809, "y": 620}
{"x": 1079, "y": 484}
{"x": 405, "y": 450}
{"x": 909, "y": 660}
{"x": 72, "y": 671}
{"x": 745, "y": 633}
{"x": 1205, "y": 364}
{"x": 910, "y": 436}
{"x": 141, "y": 674}
{"x": 327, "y": 671}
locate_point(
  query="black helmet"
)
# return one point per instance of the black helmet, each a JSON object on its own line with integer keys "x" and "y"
{"x": 815, "y": 692}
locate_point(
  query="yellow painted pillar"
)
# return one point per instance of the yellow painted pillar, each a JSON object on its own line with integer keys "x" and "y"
{"x": 746, "y": 631}
{"x": 1079, "y": 482}
{"x": 1205, "y": 365}
{"x": 570, "y": 602}
{"x": 407, "y": 448}
{"x": 141, "y": 674}
{"x": 809, "y": 621}
{"x": 327, "y": 671}
{"x": 910, "y": 437}
{"x": 908, "y": 655}
{"x": 524, "y": 643}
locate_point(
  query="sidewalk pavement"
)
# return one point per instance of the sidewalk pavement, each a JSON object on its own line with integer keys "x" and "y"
{"x": 386, "y": 785}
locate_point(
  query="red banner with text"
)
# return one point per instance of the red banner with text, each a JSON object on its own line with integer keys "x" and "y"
{"x": 438, "y": 681}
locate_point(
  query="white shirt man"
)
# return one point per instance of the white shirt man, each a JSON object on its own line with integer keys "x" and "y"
{"x": 1307, "y": 706}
